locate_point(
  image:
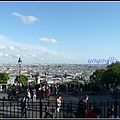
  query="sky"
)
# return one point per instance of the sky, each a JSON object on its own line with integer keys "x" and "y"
{"x": 59, "y": 32}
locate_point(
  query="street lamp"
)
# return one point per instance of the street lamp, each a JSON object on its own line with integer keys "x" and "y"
{"x": 19, "y": 64}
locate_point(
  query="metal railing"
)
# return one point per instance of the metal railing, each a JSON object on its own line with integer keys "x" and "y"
{"x": 12, "y": 108}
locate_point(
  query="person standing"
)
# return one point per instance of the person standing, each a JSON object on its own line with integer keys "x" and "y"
{"x": 111, "y": 111}
{"x": 118, "y": 88}
{"x": 25, "y": 106}
{"x": 58, "y": 102}
{"x": 47, "y": 111}
{"x": 28, "y": 94}
{"x": 56, "y": 90}
{"x": 16, "y": 94}
{"x": 48, "y": 92}
{"x": 34, "y": 95}
{"x": 82, "y": 107}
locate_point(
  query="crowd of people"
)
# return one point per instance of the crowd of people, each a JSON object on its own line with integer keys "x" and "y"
{"x": 44, "y": 90}
{"x": 13, "y": 93}
{"x": 93, "y": 88}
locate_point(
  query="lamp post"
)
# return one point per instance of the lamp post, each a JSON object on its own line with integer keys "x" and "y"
{"x": 19, "y": 65}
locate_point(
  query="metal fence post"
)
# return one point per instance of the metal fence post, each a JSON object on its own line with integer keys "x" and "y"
{"x": 40, "y": 108}
{"x": 67, "y": 104}
{"x": 10, "y": 109}
{"x": 3, "y": 105}
{"x": 32, "y": 107}
{"x": 63, "y": 108}
{"x": 115, "y": 107}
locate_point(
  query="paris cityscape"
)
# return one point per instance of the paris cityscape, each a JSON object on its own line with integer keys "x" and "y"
{"x": 59, "y": 59}
{"x": 79, "y": 72}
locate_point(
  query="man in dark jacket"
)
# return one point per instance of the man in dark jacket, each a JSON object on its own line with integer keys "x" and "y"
{"x": 82, "y": 107}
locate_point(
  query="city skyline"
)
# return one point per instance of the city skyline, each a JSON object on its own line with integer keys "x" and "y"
{"x": 59, "y": 32}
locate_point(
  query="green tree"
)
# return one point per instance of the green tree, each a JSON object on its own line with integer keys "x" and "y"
{"x": 4, "y": 77}
{"x": 112, "y": 74}
{"x": 21, "y": 79}
{"x": 105, "y": 76}
{"x": 96, "y": 76}
{"x": 36, "y": 77}
{"x": 32, "y": 83}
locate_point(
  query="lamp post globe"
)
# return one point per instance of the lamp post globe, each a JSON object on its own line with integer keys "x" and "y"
{"x": 19, "y": 61}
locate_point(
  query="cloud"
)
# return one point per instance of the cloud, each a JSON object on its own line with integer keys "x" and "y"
{"x": 25, "y": 19}
{"x": 49, "y": 53}
{"x": 2, "y": 47}
{"x": 11, "y": 48}
{"x": 1, "y": 55}
{"x": 4, "y": 55}
{"x": 23, "y": 48}
{"x": 10, "y": 52}
{"x": 52, "y": 41}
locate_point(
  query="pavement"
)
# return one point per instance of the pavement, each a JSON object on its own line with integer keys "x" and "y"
{"x": 92, "y": 98}
{"x": 70, "y": 97}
